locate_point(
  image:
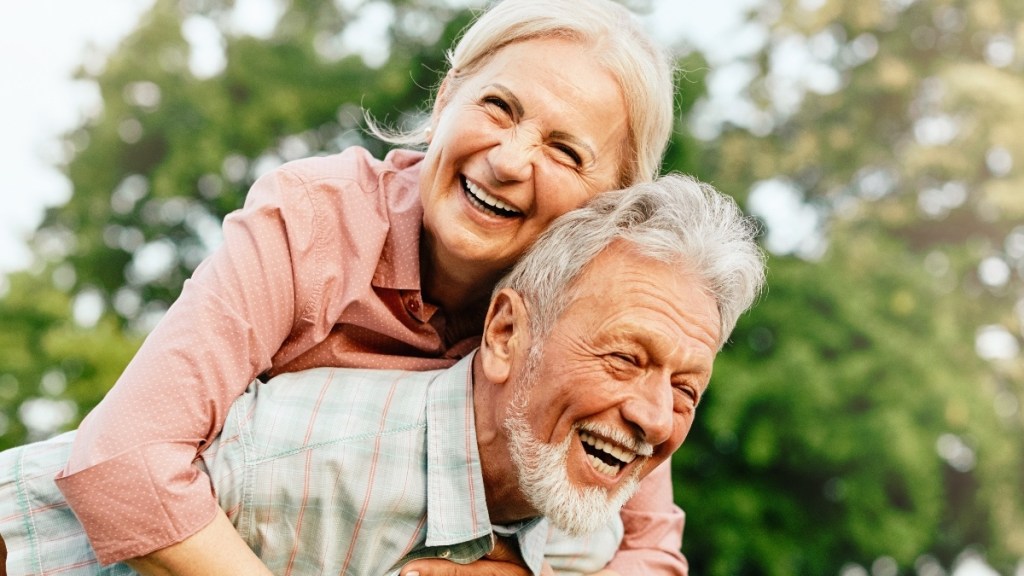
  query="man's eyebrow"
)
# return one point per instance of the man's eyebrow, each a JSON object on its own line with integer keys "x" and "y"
{"x": 661, "y": 349}
{"x": 513, "y": 101}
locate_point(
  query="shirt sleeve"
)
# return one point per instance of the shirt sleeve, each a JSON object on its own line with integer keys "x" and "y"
{"x": 653, "y": 530}
{"x": 130, "y": 478}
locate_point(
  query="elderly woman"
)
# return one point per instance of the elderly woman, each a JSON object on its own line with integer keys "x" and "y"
{"x": 353, "y": 261}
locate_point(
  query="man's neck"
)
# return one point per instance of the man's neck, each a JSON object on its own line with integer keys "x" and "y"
{"x": 505, "y": 501}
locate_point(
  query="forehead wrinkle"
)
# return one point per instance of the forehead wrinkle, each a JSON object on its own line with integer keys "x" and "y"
{"x": 674, "y": 328}
{"x": 692, "y": 317}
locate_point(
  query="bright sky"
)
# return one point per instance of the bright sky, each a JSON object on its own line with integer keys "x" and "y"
{"x": 41, "y": 44}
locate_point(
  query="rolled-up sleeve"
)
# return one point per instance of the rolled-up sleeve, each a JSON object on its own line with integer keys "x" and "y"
{"x": 130, "y": 478}
{"x": 653, "y": 530}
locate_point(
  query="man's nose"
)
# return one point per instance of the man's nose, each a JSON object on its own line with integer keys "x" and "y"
{"x": 650, "y": 409}
{"x": 512, "y": 159}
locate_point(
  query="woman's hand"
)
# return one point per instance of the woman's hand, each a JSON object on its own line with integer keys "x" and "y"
{"x": 482, "y": 567}
{"x": 503, "y": 560}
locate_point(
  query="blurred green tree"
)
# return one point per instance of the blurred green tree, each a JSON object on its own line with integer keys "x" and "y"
{"x": 869, "y": 410}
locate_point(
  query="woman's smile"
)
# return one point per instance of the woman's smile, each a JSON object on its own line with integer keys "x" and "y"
{"x": 488, "y": 203}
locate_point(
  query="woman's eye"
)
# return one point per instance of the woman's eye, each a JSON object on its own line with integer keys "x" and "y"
{"x": 498, "y": 103}
{"x": 570, "y": 153}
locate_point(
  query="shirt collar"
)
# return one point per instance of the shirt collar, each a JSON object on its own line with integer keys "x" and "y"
{"x": 398, "y": 267}
{"x": 532, "y": 536}
{"x": 456, "y": 501}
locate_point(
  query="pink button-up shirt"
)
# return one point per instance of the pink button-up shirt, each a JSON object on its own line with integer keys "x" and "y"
{"x": 319, "y": 268}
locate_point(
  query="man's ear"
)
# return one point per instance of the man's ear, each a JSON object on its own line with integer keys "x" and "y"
{"x": 506, "y": 335}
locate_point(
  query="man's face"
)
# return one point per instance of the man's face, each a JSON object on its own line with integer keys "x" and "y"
{"x": 612, "y": 392}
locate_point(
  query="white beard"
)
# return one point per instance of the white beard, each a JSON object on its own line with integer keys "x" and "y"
{"x": 544, "y": 472}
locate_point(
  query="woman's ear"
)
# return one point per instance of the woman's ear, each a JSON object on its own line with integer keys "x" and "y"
{"x": 444, "y": 92}
{"x": 506, "y": 337}
{"x": 443, "y": 97}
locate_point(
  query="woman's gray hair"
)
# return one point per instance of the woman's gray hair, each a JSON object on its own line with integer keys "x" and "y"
{"x": 675, "y": 219}
{"x": 644, "y": 70}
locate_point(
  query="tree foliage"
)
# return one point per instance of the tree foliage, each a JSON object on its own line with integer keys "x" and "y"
{"x": 867, "y": 426}
{"x": 870, "y": 405}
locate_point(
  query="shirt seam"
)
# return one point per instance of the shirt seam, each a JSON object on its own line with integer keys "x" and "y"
{"x": 326, "y": 443}
{"x": 23, "y": 501}
{"x": 315, "y": 300}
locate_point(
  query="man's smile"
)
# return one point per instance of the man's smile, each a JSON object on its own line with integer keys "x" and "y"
{"x": 605, "y": 457}
{"x": 608, "y": 450}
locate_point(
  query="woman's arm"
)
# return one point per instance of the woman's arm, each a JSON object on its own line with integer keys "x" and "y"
{"x": 130, "y": 478}
{"x": 215, "y": 549}
{"x": 653, "y": 530}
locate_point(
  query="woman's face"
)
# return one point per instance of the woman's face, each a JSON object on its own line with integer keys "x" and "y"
{"x": 532, "y": 134}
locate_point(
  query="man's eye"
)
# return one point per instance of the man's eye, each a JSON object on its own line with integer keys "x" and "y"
{"x": 623, "y": 358}
{"x": 688, "y": 393}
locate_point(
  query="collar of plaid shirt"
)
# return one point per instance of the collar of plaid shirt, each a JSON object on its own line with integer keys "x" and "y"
{"x": 455, "y": 476}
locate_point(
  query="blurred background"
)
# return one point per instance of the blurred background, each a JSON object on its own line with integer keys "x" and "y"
{"x": 866, "y": 418}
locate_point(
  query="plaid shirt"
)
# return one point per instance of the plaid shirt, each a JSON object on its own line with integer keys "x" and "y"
{"x": 319, "y": 476}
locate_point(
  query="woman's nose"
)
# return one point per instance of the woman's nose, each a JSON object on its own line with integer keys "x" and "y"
{"x": 512, "y": 159}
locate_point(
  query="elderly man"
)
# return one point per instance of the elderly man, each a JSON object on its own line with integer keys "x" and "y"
{"x": 596, "y": 351}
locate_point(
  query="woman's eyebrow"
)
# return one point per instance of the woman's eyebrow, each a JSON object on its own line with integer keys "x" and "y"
{"x": 513, "y": 101}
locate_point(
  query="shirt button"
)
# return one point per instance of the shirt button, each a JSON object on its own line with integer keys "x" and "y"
{"x": 414, "y": 306}
{"x": 445, "y": 553}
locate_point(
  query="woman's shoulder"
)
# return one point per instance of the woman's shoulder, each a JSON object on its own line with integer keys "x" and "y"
{"x": 354, "y": 164}
{"x": 348, "y": 180}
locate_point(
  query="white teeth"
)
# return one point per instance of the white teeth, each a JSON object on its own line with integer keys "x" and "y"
{"x": 619, "y": 453}
{"x": 602, "y": 467}
{"x": 486, "y": 198}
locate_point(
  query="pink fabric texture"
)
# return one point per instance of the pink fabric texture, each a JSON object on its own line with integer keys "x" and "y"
{"x": 653, "y": 532}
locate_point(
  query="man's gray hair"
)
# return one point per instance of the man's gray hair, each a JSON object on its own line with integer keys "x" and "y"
{"x": 675, "y": 219}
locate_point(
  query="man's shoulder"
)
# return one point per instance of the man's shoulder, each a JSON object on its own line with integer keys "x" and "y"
{"x": 324, "y": 407}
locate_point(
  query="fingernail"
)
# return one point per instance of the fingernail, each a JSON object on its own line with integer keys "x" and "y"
{"x": 412, "y": 573}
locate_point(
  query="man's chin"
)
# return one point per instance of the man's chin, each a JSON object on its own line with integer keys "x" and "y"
{"x": 582, "y": 510}
{"x": 579, "y": 520}
{"x": 572, "y": 497}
